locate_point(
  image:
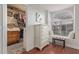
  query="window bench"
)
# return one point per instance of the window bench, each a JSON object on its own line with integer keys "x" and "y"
{"x": 59, "y": 38}
{"x": 54, "y": 39}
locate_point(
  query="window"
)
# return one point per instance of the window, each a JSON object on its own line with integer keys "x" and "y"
{"x": 62, "y": 22}
{"x": 61, "y": 28}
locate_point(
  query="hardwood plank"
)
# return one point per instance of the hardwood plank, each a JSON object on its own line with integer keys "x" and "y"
{"x": 53, "y": 49}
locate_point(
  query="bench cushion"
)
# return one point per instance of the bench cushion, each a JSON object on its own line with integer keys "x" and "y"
{"x": 59, "y": 37}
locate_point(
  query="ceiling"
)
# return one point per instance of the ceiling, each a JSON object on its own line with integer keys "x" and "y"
{"x": 51, "y": 7}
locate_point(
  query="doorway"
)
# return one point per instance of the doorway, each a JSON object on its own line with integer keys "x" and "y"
{"x": 16, "y": 22}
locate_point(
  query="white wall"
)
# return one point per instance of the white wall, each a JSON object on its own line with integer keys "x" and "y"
{"x": 29, "y": 38}
{"x": 75, "y": 43}
{"x": 48, "y": 21}
{"x": 32, "y": 15}
{"x": 1, "y": 28}
{"x": 29, "y": 31}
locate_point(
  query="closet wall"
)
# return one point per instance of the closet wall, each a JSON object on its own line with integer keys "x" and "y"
{"x": 15, "y": 15}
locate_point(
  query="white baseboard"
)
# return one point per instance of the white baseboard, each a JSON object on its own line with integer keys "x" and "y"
{"x": 73, "y": 46}
{"x": 29, "y": 48}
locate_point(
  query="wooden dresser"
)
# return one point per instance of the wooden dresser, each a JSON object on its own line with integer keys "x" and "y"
{"x": 13, "y": 37}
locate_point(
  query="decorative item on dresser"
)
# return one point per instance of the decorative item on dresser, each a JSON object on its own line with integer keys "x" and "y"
{"x": 41, "y": 36}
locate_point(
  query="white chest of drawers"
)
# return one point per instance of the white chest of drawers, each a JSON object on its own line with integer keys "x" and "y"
{"x": 41, "y": 36}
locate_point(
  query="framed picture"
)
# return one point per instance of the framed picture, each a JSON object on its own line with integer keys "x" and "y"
{"x": 38, "y": 17}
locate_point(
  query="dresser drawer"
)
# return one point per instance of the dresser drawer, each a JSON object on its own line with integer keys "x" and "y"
{"x": 12, "y": 32}
{"x": 43, "y": 37}
{"x": 13, "y": 37}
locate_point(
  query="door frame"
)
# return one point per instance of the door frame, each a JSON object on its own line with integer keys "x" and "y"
{"x": 5, "y": 30}
{"x": 1, "y": 28}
